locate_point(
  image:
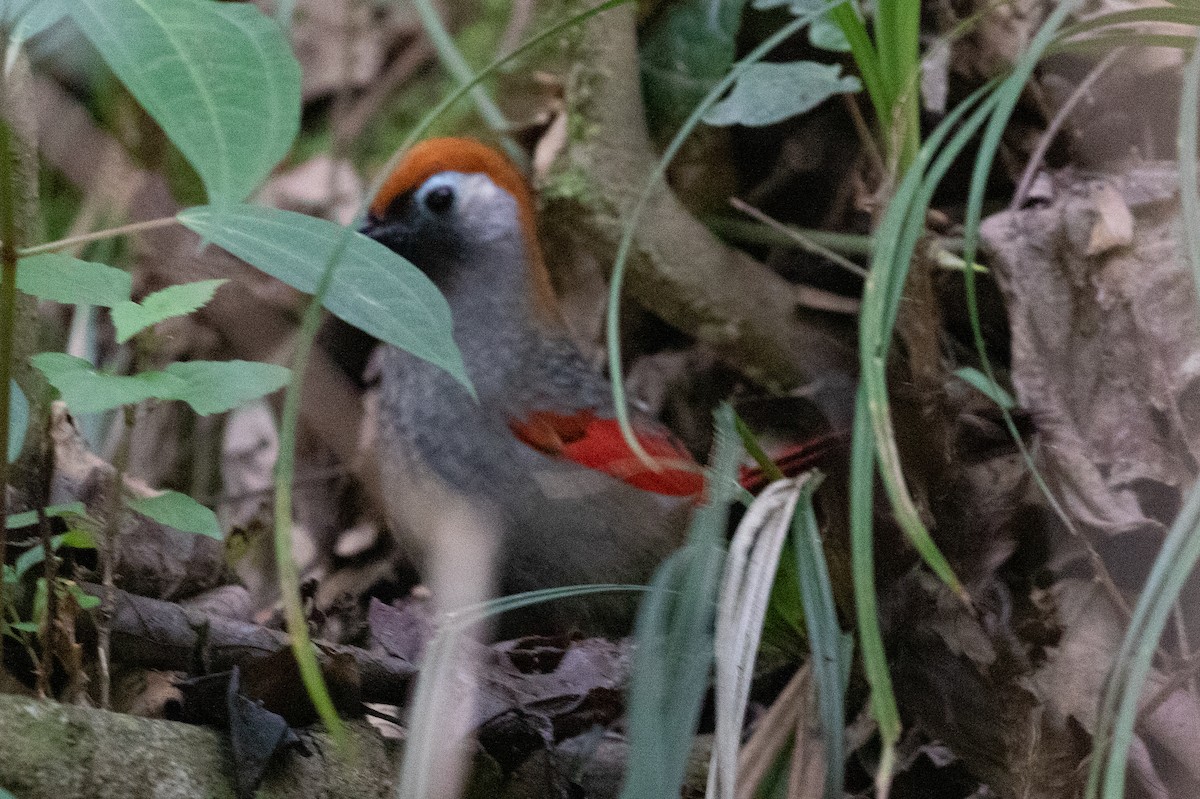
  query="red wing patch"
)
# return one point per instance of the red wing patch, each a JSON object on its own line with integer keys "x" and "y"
{"x": 597, "y": 443}
{"x": 792, "y": 461}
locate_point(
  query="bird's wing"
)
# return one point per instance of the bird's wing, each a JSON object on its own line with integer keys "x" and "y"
{"x": 596, "y": 442}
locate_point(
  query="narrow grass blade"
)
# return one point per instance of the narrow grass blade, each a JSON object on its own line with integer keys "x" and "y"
{"x": 862, "y": 559}
{"x": 1181, "y": 549}
{"x": 830, "y": 657}
{"x": 675, "y": 638}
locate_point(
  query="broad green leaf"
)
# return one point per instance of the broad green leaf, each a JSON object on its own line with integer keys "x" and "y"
{"x": 32, "y": 17}
{"x": 180, "y": 512}
{"x": 208, "y": 386}
{"x": 828, "y": 35}
{"x": 770, "y": 93}
{"x": 684, "y": 50}
{"x": 823, "y": 32}
{"x": 87, "y": 391}
{"x": 986, "y": 386}
{"x": 373, "y": 289}
{"x": 217, "y": 386}
{"x": 219, "y": 78}
{"x": 78, "y": 539}
{"x": 18, "y": 420}
{"x": 12, "y": 10}
{"x": 28, "y": 559}
{"x": 29, "y": 517}
{"x": 131, "y": 318}
{"x": 61, "y": 278}
{"x": 24, "y": 627}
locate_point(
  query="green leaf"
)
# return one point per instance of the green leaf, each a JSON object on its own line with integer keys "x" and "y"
{"x": 207, "y": 386}
{"x": 180, "y": 512}
{"x": 824, "y": 32}
{"x": 87, "y": 391}
{"x": 28, "y": 559}
{"x": 674, "y": 634}
{"x": 828, "y": 35}
{"x": 770, "y": 93}
{"x": 29, "y": 517}
{"x": 986, "y": 386}
{"x": 373, "y": 289}
{"x": 77, "y": 539}
{"x": 219, "y": 78}
{"x": 61, "y": 278}
{"x": 82, "y": 598}
{"x": 217, "y": 386}
{"x": 74, "y": 539}
{"x": 32, "y": 17}
{"x": 684, "y": 50}
{"x": 25, "y": 627}
{"x": 18, "y": 420}
{"x": 130, "y": 318}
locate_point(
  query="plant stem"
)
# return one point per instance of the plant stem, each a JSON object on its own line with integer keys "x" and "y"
{"x": 46, "y": 664}
{"x": 108, "y": 554}
{"x": 8, "y": 314}
{"x": 285, "y": 472}
{"x": 49, "y": 630}
{"x": 98, "y": 235}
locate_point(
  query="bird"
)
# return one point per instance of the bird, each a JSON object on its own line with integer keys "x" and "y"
{"x": 538, "y": 450}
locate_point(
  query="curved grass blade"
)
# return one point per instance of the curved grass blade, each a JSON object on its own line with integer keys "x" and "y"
{"x": 862, "y": 560}
{"x": 613, "y": 315}
{"x": 828, "y": 645}
{"x": 452, "y": 59}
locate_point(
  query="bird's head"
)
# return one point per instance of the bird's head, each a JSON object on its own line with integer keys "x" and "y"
{"x": 463, "y": 213}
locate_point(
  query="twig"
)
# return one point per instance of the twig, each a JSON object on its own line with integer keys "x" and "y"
{"x": 1060, "y": 119}
{"x": 802, "y": 241}
{"x": 156, "y": 634}
{"x": 870, "y": 146}
{"x": 108, "y": 554}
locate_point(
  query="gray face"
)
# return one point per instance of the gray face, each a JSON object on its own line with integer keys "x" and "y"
{"x": 438, "y": 225}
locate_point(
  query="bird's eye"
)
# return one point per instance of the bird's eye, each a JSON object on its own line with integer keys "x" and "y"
{"x": 439, "y": 199}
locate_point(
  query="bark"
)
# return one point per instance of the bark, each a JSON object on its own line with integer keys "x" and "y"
{"x": 678, "y": 270}
{"x": 53, "y": 751}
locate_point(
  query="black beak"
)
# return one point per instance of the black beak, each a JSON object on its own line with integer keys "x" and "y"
{"x": 370, "y": 227}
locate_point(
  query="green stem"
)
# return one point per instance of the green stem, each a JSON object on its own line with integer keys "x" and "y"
{"x": 8, "y": 314}
{"x": 108, "y": 554}
{"x": 285, "y": 472}
{"x": 98, "y": 235}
